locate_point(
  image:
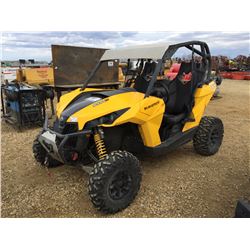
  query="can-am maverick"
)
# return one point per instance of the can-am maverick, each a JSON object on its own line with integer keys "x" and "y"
{"x": 152, "y": 115}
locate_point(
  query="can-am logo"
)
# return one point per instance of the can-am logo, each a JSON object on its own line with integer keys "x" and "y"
{"x": 151, "y": 105}
{"x": 100, "y": 102}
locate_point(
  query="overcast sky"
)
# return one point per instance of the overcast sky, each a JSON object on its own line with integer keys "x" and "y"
{"x": 26, "y": 45}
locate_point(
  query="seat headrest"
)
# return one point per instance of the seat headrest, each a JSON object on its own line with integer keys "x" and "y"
{"x": 186, "y": 67}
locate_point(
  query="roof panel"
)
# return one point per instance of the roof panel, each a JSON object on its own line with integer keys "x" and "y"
{"x": 152, "y": 51}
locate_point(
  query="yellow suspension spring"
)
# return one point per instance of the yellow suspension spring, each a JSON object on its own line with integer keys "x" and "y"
{"x": 100, "y": 146}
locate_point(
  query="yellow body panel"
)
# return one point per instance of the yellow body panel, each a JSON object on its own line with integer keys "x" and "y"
{"x": 107, "y": 106}
{"x": 67, "y": 98}
{"x": 202, "y": 97}
{"x": 147, "y": 113}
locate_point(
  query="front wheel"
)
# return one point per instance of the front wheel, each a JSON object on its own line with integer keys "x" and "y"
{"x": 208, "y": 138}
{"x": 114, "y": 181}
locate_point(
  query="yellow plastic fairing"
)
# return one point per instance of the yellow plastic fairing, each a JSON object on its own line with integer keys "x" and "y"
{"x": 67, "y": 98}
{"x": 148, "y": 115}
{"x": 106, "y": 106}
{"x": 147, "y": 112}
{"x": 202, "y": 97}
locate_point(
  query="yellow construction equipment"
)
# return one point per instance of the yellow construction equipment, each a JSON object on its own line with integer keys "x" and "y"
{"x": 36, "y": 76}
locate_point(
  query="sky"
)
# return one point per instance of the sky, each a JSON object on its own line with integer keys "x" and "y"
{"x": 37, "y": 45}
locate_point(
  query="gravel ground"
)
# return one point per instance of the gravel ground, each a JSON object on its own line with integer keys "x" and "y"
{"x": 180, "y": 184}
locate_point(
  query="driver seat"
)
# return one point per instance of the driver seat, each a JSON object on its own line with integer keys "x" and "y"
{"x": 180, "y": 97}
{"x": 141, "y": 84}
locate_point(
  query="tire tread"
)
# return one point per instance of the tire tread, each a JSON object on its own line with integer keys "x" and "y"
{"x": 202, "y": 136}
{"x": 100, "y": 174}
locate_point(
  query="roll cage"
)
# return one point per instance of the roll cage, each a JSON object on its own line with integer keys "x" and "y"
{"x": 204, "y": 52}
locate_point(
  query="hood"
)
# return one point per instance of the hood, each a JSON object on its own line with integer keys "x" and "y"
{"x": 84, "y": 106}
{"x": 66, "y": 99}
{"x": 82, "y": 101}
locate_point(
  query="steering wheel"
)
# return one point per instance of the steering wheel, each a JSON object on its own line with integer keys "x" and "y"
{"x": 162, "y": 91}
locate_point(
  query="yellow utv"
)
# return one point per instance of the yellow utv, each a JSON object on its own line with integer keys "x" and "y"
{"x": 103, "y": 129}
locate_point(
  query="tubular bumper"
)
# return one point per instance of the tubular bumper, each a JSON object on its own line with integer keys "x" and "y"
{"x": 48, "y": 139}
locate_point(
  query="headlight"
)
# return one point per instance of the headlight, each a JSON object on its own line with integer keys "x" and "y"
{"x": 73, "y": 119}
{"x": 66, "y": 127}
{"x": 107, "y": 119}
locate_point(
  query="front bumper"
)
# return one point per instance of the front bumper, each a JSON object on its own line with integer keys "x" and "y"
{"x": 49, "y": 140}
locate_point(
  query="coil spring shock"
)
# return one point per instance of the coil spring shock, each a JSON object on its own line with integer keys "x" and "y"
{"x": 100, "y": 145}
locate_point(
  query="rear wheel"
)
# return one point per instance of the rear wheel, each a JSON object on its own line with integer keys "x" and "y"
{"x": 209, "y": 136}
{"x": 114, "y": 182}
{"x": 42, "y": 156}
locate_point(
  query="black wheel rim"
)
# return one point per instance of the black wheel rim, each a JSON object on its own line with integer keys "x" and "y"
{"x": 214, "y": 138}
{"x": 120, "y": 185}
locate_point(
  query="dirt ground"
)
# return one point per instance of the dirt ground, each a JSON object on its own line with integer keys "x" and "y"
{"x": 180, "y": 184}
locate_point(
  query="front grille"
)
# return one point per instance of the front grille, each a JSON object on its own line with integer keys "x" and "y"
{"x": 70, "y": 127}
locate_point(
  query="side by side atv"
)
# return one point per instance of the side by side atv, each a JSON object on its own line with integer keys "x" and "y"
{"x": 102, "y": 130}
